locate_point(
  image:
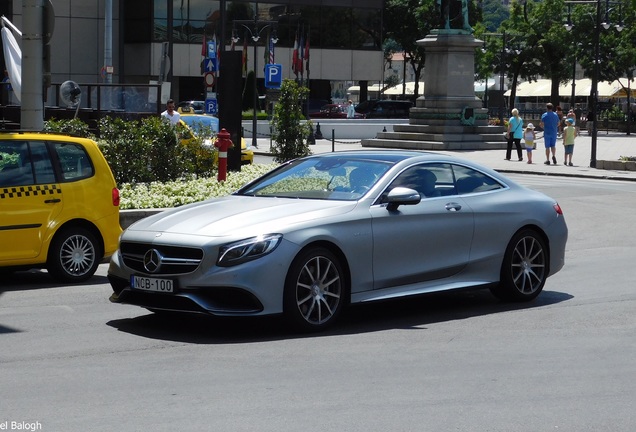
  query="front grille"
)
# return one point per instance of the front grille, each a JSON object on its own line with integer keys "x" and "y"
{"x": 174, "y": 259}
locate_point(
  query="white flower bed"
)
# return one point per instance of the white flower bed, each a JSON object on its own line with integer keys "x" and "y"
{"x": 177, "y": 193}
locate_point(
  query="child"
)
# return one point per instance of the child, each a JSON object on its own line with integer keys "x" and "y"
{"x": 529, "y": 136}
{"x": 569, "y": 133}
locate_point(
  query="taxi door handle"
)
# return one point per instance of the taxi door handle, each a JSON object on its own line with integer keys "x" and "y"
{"x": 52, "y": 201}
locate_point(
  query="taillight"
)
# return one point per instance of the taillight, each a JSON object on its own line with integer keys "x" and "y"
{"x": 116, "y": 197}
{"x": 557, "y": 208}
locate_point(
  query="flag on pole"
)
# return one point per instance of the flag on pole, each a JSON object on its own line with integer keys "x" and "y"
{"x": 266, "y": 50}
{"x": 301, "y": 50}
{"x": 271, "y": 51}
{"x": 13, "y": 61}
{"x": 204, "y": 47}
{"x": 295, "y": 56}
{"x": 307, "y": 52}
{"x": 245, "y": 56}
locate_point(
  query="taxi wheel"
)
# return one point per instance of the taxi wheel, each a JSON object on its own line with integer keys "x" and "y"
{"x": 74, "y": 255}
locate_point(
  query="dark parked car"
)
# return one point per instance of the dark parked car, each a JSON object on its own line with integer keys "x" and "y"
{"x": 384, "y": 108}
{"x": 333, "y": 111}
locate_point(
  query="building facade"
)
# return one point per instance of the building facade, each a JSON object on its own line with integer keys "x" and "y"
{"x": 339, "y": 40}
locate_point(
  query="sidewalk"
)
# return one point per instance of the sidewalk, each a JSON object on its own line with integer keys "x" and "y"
{"x": 609, "y": 147}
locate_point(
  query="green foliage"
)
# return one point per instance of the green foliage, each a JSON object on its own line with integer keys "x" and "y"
{"x": 290, "y": 134}
{"x": 614, "y": 114}
{"x": 150, "y": 150}
{"x": 407, "y": 21}
{"x": 75, "y": 127}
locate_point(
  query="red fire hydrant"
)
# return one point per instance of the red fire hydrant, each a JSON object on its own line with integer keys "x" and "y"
{"x": 223, "y": 142}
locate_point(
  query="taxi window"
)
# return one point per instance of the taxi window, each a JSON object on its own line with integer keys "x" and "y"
{"x": 15, "y": 164}
{"x": 42, "y": 166}
{"x": 74, "y": 161}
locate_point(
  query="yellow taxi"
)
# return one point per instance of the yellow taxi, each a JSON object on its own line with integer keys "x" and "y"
{"x": 197, "y": 124}
{"x": 60, "y": 205}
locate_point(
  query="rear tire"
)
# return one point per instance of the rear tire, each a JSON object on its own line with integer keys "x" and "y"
{"x": 314, "y": 290}
{"x": 74, "y": 255}
{"x": 524, "y": 269}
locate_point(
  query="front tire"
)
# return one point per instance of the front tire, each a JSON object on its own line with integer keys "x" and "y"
{"x": 314, "y": 290}
{"x": 524, "y": 269}
{"x": 74, "y": 255}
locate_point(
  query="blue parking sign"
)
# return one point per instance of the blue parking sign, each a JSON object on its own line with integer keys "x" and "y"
{"x": 273, "y": 75}
{"x": 211, "y": 106}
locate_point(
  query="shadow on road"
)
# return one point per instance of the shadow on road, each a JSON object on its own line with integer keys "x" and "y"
{"x": 39, "y": 279}
{"x": 411, "y": 313}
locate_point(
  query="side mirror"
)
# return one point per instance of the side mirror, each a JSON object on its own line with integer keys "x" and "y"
{"x": 402, "y": 196}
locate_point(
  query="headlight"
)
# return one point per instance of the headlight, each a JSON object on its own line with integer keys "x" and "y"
{"x": 248, "y": 249}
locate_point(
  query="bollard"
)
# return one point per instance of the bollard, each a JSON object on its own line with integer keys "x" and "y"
{"x": 223, "y": 142}
{"x": 318, "y": 134}
{"x": 333, "y": 140}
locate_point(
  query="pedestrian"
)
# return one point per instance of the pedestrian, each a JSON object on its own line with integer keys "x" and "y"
{"x": 529, "y": 136}
{"x": 170, "y": 114}
{"x": 569, "y": 133}
{"x": 559, "y": 112}
{"x": 351, "y": 111}
{"x": 578, "y": 112}
{"x": 515, "y": 134}
{"x": 550, "y": 125}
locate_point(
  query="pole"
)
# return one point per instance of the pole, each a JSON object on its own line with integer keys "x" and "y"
{"x": 32, "y": 111}
{"x": 573, "y": 83}
{"x": 254, "y": 121}
{"x": 629, "y": 102}
{"x": 594, "y": 91}
{"x": 501, "y": 78}
{"x": 108, "y": 40}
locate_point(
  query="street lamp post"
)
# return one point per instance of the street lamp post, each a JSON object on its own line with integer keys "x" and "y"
{"x": 595, "y": 71}
{"x": 255, "y": 34}
{"x": 502, "y": 65}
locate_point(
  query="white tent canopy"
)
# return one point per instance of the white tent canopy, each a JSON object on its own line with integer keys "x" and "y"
{"x": 582, "y": 87}
{"x": 409, "y": 89}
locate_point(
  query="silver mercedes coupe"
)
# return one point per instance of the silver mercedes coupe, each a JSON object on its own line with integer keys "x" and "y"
{"x": 324, "y": 231}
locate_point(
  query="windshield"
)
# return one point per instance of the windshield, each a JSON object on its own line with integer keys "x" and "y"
{"x": 200, "y": 124}
{"x": 329, "y": 178}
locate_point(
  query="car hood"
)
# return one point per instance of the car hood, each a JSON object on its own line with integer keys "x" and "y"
{"x": 231, "y": 215}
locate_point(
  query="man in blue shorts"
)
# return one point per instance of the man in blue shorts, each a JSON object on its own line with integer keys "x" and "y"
{"x": 550, "y": 124}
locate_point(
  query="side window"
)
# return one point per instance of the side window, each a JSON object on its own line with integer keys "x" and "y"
{"x": 15, "y": 164}
{"x": 74, "y": 161}
{"x": 430, "y": 180}
{"x": 469, "y": 181}
{"x": 42, "y": 166}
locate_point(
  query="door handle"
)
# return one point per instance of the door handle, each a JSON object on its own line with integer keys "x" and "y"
{"x": 52, "y": 201}
{"x": 453, "y": 206}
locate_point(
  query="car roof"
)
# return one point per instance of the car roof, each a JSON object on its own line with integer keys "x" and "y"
{"x": 396, "y": 156}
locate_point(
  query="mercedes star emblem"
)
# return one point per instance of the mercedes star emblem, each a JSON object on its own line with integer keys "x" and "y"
{"x": 152, "y": 261}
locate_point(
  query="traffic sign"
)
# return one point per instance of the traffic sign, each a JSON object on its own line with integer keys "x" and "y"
{"x": 273, "y": 75}
{"x": 209, "y": 64}
{"x": 211, "y": 106}
{"x": 211, "y": 49}
{"x": 209, "y": 79}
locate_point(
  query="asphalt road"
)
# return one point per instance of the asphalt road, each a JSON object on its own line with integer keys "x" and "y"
{"x": 71, "y": 361}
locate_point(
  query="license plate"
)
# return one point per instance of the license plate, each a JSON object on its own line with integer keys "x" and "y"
{"x": 152, "y": 284}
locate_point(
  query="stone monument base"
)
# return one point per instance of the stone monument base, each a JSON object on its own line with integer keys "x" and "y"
{"x": 449, "y": 116}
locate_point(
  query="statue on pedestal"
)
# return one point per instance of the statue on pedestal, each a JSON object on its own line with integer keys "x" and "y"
{"x": 451, "y": 16}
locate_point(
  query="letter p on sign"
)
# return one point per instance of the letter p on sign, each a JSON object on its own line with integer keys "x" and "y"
{"x": 273, "y": 75}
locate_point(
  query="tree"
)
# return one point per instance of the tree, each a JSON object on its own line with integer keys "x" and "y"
{"x": 290, "y": 134}
{"x": 406, "y": 22}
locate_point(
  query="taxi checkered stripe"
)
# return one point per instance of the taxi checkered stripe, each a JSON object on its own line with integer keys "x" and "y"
{"x": 28, "y": 191}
